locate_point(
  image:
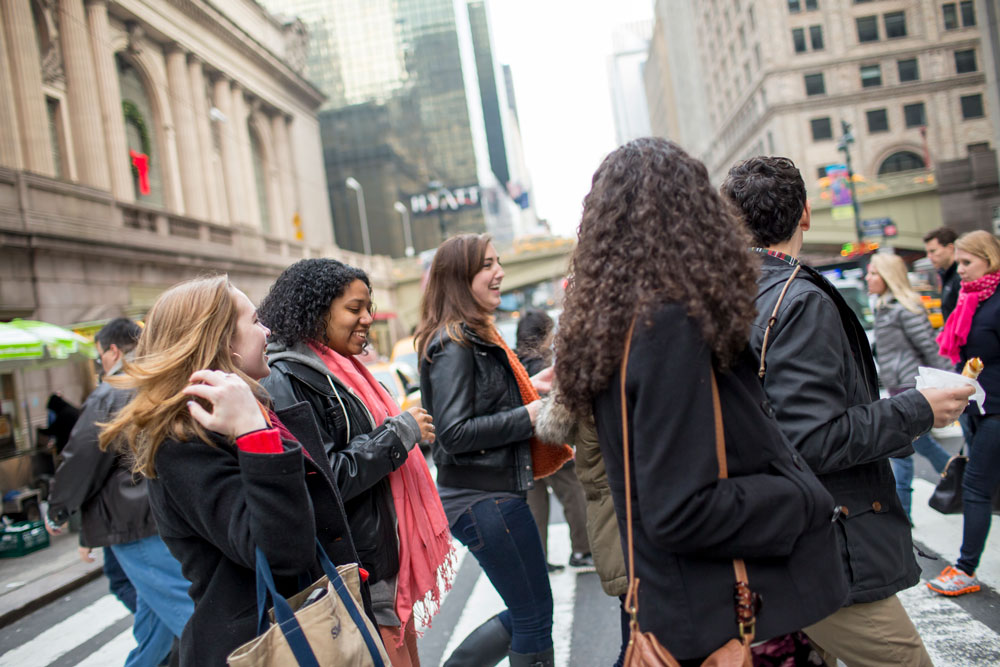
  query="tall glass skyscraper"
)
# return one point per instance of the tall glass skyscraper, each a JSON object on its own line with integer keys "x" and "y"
{"x": 413, "y": 114}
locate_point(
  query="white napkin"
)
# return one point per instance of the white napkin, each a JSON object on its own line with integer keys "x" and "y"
{"x": 928, "y": 378}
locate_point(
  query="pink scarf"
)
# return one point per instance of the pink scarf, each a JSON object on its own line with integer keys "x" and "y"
{"x": 956, "y": 329}
{"x": 427, "y": 557}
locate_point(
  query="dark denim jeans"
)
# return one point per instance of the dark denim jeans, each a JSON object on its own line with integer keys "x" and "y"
{"x": 502, "y": 535}
{"x": 982, "y": 475}
{"x": 902, "y": 468}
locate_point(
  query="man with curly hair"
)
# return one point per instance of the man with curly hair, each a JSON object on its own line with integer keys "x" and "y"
{"x": 820, "y": 380}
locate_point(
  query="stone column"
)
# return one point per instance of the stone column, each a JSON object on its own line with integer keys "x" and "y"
{"x": 10, "y": 148}
{"x": 230, "y": 150}
{"x": 280, "y": 225}
{"x": 206, "y": 147}
{"x": 84, "y": 108}
{"x": 283, "y": 162}
{"x": 26, "y": 72}
{"x": 109, "y": 93}
{"x": 173, "y": 194}
{"x": 241, "y": 130}
{"x": 192, "y": 180}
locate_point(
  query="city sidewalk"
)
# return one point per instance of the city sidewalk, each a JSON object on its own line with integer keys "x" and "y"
{"x": 32, "y": 581}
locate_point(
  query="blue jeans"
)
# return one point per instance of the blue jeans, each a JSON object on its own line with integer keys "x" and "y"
{"x": 902, "y": 469}
{"x": 982, "y": 476}
{"x": 118, "y": 583}
{"x": 502, "y": 535}
{"x": 163, "y": 605}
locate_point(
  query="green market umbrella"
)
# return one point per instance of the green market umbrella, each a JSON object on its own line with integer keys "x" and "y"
{"x": 33, "y": 344}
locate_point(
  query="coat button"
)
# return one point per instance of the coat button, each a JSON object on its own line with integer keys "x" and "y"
{"x": 797, "y": 460}
{"x": 877, "y": 506}
{"x": 844, "y": 510}
{"x": 765, "y": 405}
{"x": 482, "y": 451}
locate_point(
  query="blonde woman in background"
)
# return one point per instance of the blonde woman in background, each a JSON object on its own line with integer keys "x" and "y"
{"x": 904, "y": 340}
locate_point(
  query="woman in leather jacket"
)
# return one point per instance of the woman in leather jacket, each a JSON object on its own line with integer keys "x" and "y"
{"x": 468, "y": 381}
{"x": 904, "y": 341}
{"x": 319, "y": 312}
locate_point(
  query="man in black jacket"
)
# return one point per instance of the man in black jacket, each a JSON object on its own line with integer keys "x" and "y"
{"x": 940, "y": 247}
{"x": 819, "y": 375}
{"x": 115, "y": 509}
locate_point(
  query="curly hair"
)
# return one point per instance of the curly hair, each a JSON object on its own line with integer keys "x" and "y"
{"x": 297, "y": 307}
{"x": 771, "y": 195}
{"x": 654, "y": 231}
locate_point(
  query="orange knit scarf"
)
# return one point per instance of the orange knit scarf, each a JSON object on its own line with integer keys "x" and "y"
{"x": 546, "y": 458}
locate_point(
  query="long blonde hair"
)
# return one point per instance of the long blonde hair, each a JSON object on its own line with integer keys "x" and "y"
{"x": 983, "y": 245}
{"x": 190, "y": 327}
{"x": 892, "y": 270}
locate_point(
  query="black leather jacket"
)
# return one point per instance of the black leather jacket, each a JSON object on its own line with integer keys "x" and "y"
{"x": 113, "y": 502}
{"x": 361, "y": 455}
{"x": 820, "y": 378}
{"x": 483, "y": 429}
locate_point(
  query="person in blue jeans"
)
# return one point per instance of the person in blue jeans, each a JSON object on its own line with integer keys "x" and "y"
{"x": 973, "y": 330}
{"x": 485, "y": 407}
{"x": 904, "y": 341}
{"x": 115, "y": 512}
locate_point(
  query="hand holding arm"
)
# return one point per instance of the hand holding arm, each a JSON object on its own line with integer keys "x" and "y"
{"x": 235, "y": 410}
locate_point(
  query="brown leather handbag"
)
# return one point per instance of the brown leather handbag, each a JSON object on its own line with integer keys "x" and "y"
{"x": 644, "y": 650}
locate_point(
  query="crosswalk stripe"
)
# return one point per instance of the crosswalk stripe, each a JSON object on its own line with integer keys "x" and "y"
{"x": 943, "y": 534}
{"x": 113, "y": 653}
{"x": 951, "y": 635}
{"x": 66, "y": 635}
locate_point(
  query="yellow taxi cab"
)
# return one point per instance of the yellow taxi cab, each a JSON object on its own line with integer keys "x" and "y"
{"x": 401, "y": 385}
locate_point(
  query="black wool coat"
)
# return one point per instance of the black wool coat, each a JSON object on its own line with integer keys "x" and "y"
{"x": 688, "y": 524}
{"x": 213, "y": 504}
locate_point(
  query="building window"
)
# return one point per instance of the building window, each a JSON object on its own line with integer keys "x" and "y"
{"x": 821, "y": 128}
{"x": 951, "y": 12}
{"x": 816, "y": 37}
{"x": 895, "y": 24}
{"x": 914, "y": 115}
{"x": 965, "y": 61}
{"x": 978, "y": 147}
{"x": 794, "y": 6}
{"x": 815, "y": 84}
{"x": 799, "y": 39}
{"x": 968, "y": 11}
{"x": 867, "y": 28}
{"x": 871, "y": 76}
{"x": 821, "y": 172}
{"x": 878, "y": 121}
{"x": 972, "y": 106}
{"x": 908, "y": 70}
{"x": 811, "y": 5}
{"x": 901, "y": 161}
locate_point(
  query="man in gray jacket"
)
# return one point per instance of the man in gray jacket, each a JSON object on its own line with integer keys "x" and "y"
{"x": 820, "y": 380}
{"x": 115, "y": 509}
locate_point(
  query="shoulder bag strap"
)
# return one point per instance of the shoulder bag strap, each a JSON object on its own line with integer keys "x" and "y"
{"x": 774, "y": 318}
{"x": 745, "y": 600}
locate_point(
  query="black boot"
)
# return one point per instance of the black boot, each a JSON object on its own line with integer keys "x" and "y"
{"x": 543, "y": 659}
{"x": 484, "y": 647}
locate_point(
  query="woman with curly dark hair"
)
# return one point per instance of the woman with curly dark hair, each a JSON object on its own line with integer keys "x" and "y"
{"x": 485, "y": 405}
{"x": 660, "y": 251}
{"x": 319, "y": 312}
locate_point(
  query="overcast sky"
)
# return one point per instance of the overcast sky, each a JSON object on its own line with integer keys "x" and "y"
{"x": 557, "y": 50}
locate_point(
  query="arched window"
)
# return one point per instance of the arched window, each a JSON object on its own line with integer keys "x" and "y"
{"x": 260, "y": 180}
{"x": 901, "y": 161}
{"x": 140, "y": 135}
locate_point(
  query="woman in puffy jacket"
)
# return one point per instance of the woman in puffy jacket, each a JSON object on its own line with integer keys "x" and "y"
{"x": 904, "y": 340}
{"x": 662, "y": 265}
{"x": 485, "y": 406}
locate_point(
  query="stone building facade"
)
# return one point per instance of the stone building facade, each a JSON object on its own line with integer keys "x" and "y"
{"x": 778, "y": 78}
{"x": 143, "y": 142}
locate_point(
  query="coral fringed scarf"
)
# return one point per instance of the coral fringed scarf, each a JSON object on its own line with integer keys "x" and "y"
{"x": 956, "y": 329}
{"x": 427, "y": 557}
{"x": 546, "y": 458}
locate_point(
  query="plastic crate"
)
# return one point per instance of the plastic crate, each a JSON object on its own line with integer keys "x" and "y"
{"x": 22, "y": 538}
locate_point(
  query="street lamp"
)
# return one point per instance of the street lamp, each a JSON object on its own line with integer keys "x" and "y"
{"x": 407, "y": 232}
{"x": 353, "y": 184}
{"x": 846, "y": 139}
{"x": 438, "y": 186}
